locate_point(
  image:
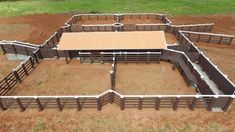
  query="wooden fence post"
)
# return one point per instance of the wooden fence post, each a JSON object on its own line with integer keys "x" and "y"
{"x": 176, "y": 102}
{"x": 16, "y": 75}
{"x": 39, "y": 104}
{"x": 59, "y": 104}
{"x": 157, "y": 103}
{"x": 229, "y": 102}
{"x": 221, "y": 38}
{"x": 13, "y": 46}
{"x": 111, "y": 97}
{"x": 140, "y": 103}
{"x": 192, "y": 106}
{"x": 22, "y": 108}
{"x": 2, "y": 106}
{"x": 211, "y": 103}
{"x": 35, "y": 57}
{"x": 4, "y": 51}
{"x": 112, "y": 80}
{"x": 231, "y": 39}
{"x": 78, "y": 103}
{"x": 25, "y": 70}
{"x": 122, "y": 106}
{"x": 31, "y": 61}
{"x": 98, "y": 103}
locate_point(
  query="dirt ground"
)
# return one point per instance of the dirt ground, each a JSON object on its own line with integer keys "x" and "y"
{"x": 33, "y": 28}
{"x": 6, "y": 66}
{"x": 55, "y": 77}
{"x": 150, "y": 79}
{"x": 111, "y": 118}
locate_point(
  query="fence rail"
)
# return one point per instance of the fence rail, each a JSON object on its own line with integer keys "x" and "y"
{"x": 123, "y": 101}
{"x": 208, "y": 37}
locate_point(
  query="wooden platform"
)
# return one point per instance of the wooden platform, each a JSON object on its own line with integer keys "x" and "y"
{"x": 112, "y": 40}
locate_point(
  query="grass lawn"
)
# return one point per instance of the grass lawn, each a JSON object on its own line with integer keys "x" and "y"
{"x": 175, "y": 7}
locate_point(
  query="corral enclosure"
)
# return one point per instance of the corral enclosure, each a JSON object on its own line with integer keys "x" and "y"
{"x": 55, "y": 77}
{"x": 150, "y": 79}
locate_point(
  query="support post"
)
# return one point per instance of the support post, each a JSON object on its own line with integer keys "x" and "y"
{"x": 78, "y": 104}
{"x": 59, "y": 104}
{"x": 209, "y": 39}
{"x": 175, "y": 106}
{"x": 140, "y": 103}
{"x": 112, "y": 80}
{"x": 40, "y": 107}
{"x": 229, "y": 102}
{"x": 192, "y": 106}
{"x": 16, "y": 75}
{"x": 22, "y": 108}
{"x": 24, "y": 68}
{"x": 35, "y": 57}
{"x": 221, "y": 38}
{"x": 111, "y": 97}
{"x": 31, "y": 61}
{"x": 98, "y": 103}
{"x": 211, "y": 104}
{"x": 122, "y": 106}
{"x": 13, "y": 46}
{"x": 3, "y": 108}
{"x": 157, "y": 103}
{"x": 66, "y": 57}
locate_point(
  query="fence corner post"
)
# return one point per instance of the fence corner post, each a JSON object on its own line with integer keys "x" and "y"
{"x": 122, "y": 106}
{"x": 98, "y": 103}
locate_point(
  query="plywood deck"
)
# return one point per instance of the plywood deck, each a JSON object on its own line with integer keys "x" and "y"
{"x": 112, "y": 40}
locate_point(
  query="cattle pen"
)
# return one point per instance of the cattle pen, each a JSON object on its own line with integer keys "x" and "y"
{"x": 213, "y": 89}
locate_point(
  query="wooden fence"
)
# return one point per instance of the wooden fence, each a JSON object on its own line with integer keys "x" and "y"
{"x": 208, "y": 37}
{"x": 18, "y": 74}
{"x": 156, "y": 102}
{"x": 221, "y": 80}
{"x": 15, "y": 47}
{"x": 193, "y": 27}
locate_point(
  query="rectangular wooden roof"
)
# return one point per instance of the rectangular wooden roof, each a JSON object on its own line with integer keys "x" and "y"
{"x": 112, "y": 40}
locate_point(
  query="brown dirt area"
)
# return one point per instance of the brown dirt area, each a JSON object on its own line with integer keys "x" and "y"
{"x": 150, "y": 79}
{"x": 111, "y": 118}
{"x": 6, "y": 66}
{"x": 55, "y": 77}
{"x": 33, "y": 28}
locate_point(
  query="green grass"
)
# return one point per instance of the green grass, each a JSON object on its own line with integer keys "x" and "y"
{"x": 175, "y": 7}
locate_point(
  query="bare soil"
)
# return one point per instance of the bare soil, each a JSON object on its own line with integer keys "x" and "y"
{"x": 111, "y": 118}
{"x": 55, "y": 77}
{"x": 33, "y": 28}
{"x": 6, "y": 66}
{"x": 150, "y": 79}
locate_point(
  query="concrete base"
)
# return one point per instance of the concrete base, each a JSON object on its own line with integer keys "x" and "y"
{"x": 15, "y": 57}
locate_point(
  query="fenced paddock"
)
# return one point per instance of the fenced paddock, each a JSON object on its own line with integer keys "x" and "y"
{"x": 55, "y": 77}
{"x": 44, "y": 80}
{"x": 150, "y": 79}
